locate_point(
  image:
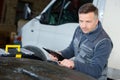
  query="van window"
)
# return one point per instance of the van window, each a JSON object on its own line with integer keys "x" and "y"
{"x": 63, "y": 11}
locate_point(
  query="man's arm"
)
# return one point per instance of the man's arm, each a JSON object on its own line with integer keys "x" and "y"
{"x": 69, "y": 51}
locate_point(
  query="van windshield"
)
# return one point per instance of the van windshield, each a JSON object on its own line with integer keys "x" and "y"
{"x": 63, "y": 11}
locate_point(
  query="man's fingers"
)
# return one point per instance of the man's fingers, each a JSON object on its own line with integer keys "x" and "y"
{"x": 53, "y": 57}
{"x": 66, "y": 63}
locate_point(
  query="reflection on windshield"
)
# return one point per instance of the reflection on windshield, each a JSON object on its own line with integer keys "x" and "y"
{"x": 62, "y": 11}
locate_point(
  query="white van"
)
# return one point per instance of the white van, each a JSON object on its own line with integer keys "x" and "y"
{"x": 54, "y": 27}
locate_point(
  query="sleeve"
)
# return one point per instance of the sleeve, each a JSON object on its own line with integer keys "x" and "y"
{"x": 69, "y": 51}
{"x": 99, "y": 60}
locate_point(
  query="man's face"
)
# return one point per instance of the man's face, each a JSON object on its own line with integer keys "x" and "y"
{"x": 88, "y": 22}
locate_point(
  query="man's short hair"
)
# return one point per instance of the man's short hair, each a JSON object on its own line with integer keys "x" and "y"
{"x": 88, "y": 7}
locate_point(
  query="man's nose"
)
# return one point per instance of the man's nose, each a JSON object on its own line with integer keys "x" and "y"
{"x": 83, "y": 25}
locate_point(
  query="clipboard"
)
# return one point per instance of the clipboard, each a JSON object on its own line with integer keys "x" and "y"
{"x": 60, "y": 57}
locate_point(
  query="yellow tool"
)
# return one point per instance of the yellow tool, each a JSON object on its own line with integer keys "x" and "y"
{"x": 18, "y": 55}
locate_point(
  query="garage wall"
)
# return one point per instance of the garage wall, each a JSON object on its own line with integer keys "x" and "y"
{"x": 112, "y": 26}
{"x": 111, "y": 23}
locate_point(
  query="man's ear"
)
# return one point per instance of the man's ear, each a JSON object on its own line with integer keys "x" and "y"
{"x": 97, "y": 21}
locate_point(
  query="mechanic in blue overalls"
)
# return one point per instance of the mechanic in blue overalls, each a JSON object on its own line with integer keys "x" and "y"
{"x": 90, "y": 46}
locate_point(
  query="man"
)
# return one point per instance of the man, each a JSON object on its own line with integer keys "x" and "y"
{"x": 90, "y": 46}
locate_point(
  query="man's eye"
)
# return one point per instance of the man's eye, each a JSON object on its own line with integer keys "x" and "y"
{"x": 88, "y": 21}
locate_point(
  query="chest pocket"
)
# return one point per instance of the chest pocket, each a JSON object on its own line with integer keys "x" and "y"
{"x": 86, "y": 53}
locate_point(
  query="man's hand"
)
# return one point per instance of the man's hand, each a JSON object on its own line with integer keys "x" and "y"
{"x": 53, "y": 57}
{"x": 67, "y": 63}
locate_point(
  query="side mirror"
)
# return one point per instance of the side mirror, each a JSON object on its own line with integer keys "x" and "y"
{"x": 44, "y": 18}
